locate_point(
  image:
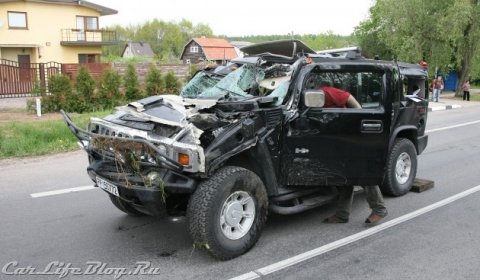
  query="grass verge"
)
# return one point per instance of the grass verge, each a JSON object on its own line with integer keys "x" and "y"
{"x": 21, "y": 139}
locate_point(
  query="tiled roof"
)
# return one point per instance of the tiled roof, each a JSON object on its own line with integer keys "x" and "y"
{"x": 219, "y": 53}
{"x": 213, "y": 42}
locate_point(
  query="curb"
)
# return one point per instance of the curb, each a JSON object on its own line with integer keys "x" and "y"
{"x": 444, "y": 107}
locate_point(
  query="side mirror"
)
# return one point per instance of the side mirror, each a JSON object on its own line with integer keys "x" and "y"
{"x": 314, "y": 98}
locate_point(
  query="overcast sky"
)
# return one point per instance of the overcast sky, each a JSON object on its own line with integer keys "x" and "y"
{"x": 245, "y": 17}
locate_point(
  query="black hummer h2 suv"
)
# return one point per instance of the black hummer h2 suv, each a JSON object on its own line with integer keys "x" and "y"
{"x": 253, "y": 136}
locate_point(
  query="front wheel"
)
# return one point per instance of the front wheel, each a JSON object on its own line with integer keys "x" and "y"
{"x": 401, "y": 168}
{"x": 227, "y": 212}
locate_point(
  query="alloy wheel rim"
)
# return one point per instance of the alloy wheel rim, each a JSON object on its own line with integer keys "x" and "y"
{"x": 403, "y": 168}
{"x": 237, "y": 216}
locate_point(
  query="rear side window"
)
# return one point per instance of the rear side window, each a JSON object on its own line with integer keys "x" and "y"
{"x": 365, "y": 86}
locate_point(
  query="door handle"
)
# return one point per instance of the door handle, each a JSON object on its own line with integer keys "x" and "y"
{"x": 372, "y": 126}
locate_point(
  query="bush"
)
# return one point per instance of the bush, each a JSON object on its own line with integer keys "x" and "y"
{"x": 192, "y": 70}
{"x": 85, "y": 85}
{"x": 109, "y": 89}
{"x": 59, "y": 86}
{"x": 172, "y": 84}
{"x": 131, "y": 84}
{"x": 49, "y": 104}
{"x": 38, "y": 89}
{"x": 155, "y": 83}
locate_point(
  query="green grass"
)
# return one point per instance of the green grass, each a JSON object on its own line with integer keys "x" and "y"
{"x": 36, "y": 138}
{"x": 474, "y": 97}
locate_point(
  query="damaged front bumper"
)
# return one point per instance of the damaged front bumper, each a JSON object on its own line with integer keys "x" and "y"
{"x": 135, "y": 170}
{"x": 147, "y": 198}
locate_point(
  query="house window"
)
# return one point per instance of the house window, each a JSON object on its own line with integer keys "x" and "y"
{"x": 17, "y": 20}
{"x": 88, "y": 58}
{"x": 194, "y": 49}
{"x": 87, "y": 23}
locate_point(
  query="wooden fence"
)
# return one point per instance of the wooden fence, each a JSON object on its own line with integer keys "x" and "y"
{"x": 18, "y": 79}
{"x": 95, "y": 69}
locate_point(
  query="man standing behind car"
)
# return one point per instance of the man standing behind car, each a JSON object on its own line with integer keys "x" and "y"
{"x": 337, "y": 98}
{"x": 437, "y": 87}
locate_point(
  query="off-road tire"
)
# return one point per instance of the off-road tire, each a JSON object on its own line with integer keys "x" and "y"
{"x": 204, "y": 211}
{"x": 125, "y": 206}
{"x": 403, "y": 156}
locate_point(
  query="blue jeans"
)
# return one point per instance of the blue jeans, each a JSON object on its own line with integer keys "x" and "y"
{"x": 436, "y": 94}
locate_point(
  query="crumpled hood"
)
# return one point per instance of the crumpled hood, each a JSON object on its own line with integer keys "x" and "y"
{"x": 171, "y": 110}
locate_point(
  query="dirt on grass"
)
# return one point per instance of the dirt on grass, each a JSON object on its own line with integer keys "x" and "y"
{"x": 7, "y": 116}
{"x": 14, "y": 110}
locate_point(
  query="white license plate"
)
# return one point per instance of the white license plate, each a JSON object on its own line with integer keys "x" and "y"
{"x": 107, "y": 186}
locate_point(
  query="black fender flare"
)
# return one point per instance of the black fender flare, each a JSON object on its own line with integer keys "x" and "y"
{"x": 407, "y": 131}
{"x": 254, "y": 148}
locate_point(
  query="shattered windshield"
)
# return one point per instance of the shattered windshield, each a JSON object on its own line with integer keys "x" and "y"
{"x": 201, "y": 82}
{"x": 236, "y": 84}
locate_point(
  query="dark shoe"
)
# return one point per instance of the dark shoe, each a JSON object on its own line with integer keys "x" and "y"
{"x": 335, "y": 220}
{"x": 374, "y": 219}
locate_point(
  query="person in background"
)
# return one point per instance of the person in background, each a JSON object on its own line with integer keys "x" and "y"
{"x": 437, "y": 87}
{"x": 337, "y": 98}
{"x": 466, "y": 90}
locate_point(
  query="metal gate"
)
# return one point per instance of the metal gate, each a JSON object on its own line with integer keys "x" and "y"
{"x": 18, "y": 79}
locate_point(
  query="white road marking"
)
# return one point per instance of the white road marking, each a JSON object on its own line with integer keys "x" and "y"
{"x": 452, "y": 126}
{"x": 350, "y": 239}
{"x": 62, "y": 191}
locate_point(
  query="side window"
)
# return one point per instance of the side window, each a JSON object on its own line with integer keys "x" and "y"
{"x": 370, "y": 93}
{"x": 414, "y": 86}
{"x": 365, "y": 86}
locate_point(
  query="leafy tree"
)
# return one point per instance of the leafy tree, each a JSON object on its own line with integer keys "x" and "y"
{"x": 445, "y": 33}
{"x": 467, "y": 39}
{"x": 192, "y": 70}
{"x": 59, "y": 86}
{"x": 38, "y": 89}
{"x": 82, "y": 98}
{"x": 109, "y": 88}
{"x": 167, "y": 39}
{"x": 155, "y": 82}
{"x": 172, "y": 84}
{"x": 475, "y": 71}
{"x": 85, "y": 85}
{"x": 369, "y": 38}
{"x": 131, "y": 84}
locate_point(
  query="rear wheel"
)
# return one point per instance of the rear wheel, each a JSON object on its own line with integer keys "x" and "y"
{"x": 227, "y": 212}
{"x": 401, "y": 168}
{"x": 125, "y": 206}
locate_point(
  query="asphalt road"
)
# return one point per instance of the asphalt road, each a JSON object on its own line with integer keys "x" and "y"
{"x": 83, "y": 230}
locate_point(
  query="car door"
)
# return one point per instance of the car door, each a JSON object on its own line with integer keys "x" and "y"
{"x": 340, "y": 146}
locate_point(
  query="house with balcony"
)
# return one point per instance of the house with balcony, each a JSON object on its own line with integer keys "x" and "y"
{"x": 64, "y": 31}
